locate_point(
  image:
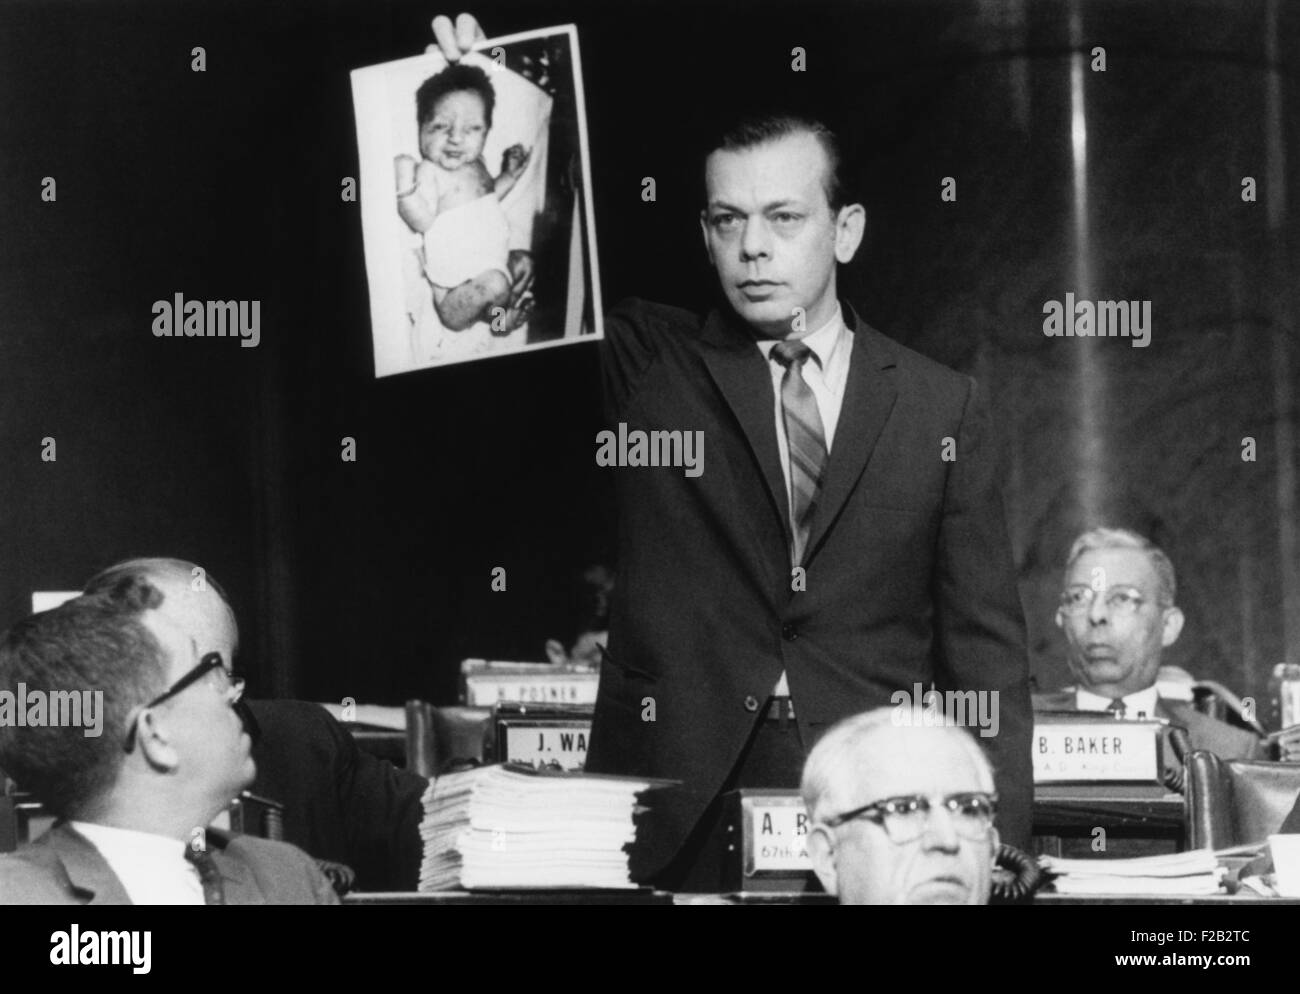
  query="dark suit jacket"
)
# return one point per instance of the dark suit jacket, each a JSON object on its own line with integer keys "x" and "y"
{"x": 1224, "y": 740}
{"x": 340, "y": 802}
{"x": 909, "y": 572}
{"x": 63, "y": 867}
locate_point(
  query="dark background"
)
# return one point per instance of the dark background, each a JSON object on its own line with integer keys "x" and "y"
{"x": 372, "y": 579}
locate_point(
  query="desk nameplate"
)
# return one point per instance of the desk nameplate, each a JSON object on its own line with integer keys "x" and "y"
{"x": 483, "y": 690}
{"x": 544, "y": 742}
{"x": 1096, "y": 751}
{"x": 767, "y": 841}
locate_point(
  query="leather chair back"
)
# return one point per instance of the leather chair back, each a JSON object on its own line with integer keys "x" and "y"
{"x": 1238, "y": 801}
{"x": 461, "y": 735}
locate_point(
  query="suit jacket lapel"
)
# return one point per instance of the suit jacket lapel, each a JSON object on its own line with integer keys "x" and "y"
{"x": 737, "y": 367}
{"x": 869, "y": 397}
{"x": 88, "y": 872}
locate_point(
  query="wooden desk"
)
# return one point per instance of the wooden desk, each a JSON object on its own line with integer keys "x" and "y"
{"x": 514, "y": 898}
{"x": 544, "y": 898}
{"x": 1147, "y": 826}
{"x": 1205, "y": 900}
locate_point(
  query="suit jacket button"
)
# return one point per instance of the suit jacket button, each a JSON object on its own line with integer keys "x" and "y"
{"x": 751, "y": 703}
{"x": 789, "y": 633}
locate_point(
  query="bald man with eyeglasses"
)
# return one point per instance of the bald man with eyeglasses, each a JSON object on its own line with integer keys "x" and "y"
{"x": 134, "y": 799}
{"x": 900, "y": 811}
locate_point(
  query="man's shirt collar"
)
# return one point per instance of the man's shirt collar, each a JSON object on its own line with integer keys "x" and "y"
{"x": 824, "y": 342}
{"x": 1143, "y": 701}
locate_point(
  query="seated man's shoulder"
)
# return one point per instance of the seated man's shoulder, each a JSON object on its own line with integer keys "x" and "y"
{"x": 1212, "y": 735}
{"x": 34, "y": 874}
{"x": 256, "y": 850}
{"x": 286, "y": 874}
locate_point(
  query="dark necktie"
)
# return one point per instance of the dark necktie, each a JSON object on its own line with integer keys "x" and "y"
{"x": 209, "y": 875}
{"x": 1116, "y": 707}
{"x": 807, "y": 442}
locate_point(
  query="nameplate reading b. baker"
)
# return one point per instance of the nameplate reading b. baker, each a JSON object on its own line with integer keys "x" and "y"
{"x": 1105, "y": 751}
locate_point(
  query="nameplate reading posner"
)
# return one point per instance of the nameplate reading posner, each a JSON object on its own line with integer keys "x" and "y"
{"x": 1102, "y": 750}
{"x": 486, "y": 689}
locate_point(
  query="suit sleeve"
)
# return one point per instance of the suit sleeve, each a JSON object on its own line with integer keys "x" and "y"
{"x": 628, "y": 351}
{"x": 382, "y": 809}
{"x": 980, "y": 623}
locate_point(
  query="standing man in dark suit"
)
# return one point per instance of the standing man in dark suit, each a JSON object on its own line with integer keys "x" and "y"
{"x": 135, "y": 793}
{"x": 845, "y": 541}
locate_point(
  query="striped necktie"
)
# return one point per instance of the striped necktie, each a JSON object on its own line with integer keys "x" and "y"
{"x": 209, "y": 875}
{"x": 806, "y": 439}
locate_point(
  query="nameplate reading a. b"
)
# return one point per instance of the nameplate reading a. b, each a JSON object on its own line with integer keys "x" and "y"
{"x": 766, "y": 842}
{"x": 1081, "y": 750}
{"x": 486, "y": 689}
{"x": 776, "y": 836}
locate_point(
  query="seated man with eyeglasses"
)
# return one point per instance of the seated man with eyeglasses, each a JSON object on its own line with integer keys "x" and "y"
{"x": 135, "y": 793}
{"x": 900, "y": 812}
{"x": 341, "y": 804}
{"x": 1118, "y": 614}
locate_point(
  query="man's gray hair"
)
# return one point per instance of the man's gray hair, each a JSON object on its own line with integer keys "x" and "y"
{"x": 1123, "y": 538}
{"x": 835, "y": 752}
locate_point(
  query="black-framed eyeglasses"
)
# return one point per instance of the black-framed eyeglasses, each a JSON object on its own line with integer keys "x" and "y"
{"x": 904, "y": 819}
{"x": 1119, "y": 600}
{"x": 210, "y": 663}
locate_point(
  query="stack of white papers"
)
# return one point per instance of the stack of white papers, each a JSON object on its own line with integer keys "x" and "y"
{"x": 513, "y": 827}
{"x": 1192, "y": 873}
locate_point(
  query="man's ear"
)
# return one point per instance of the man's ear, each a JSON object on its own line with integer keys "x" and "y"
{"x": 704, "y": 230}
{"x": 821, "y": 850}
{"x": 153, "y": 742}
{"x": 555, "y": 652}
{"x": 1060, "y": 619}
{"x": 1173, "y": 626}
{"x": 850, "y": 226}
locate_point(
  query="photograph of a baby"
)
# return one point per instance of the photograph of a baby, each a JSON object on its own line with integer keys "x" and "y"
{"x": 475, "y": 203}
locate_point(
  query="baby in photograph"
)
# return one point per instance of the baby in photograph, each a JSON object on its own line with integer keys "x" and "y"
{"x": 451, "y": 199}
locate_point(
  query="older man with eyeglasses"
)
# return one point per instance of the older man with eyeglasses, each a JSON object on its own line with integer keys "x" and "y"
{"x": 1118, "y": 613}
{"x": 133, "y": 802}
{"x": 900, "y": 812}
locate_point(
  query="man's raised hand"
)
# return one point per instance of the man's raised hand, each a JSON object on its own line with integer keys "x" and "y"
{"x": 455, "y": 41}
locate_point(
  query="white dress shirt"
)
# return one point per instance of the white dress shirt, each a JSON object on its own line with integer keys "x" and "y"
{"x": 826, "y": 372}
{"x": 1144, "y": 701}
{"x": 153, "y": 868}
